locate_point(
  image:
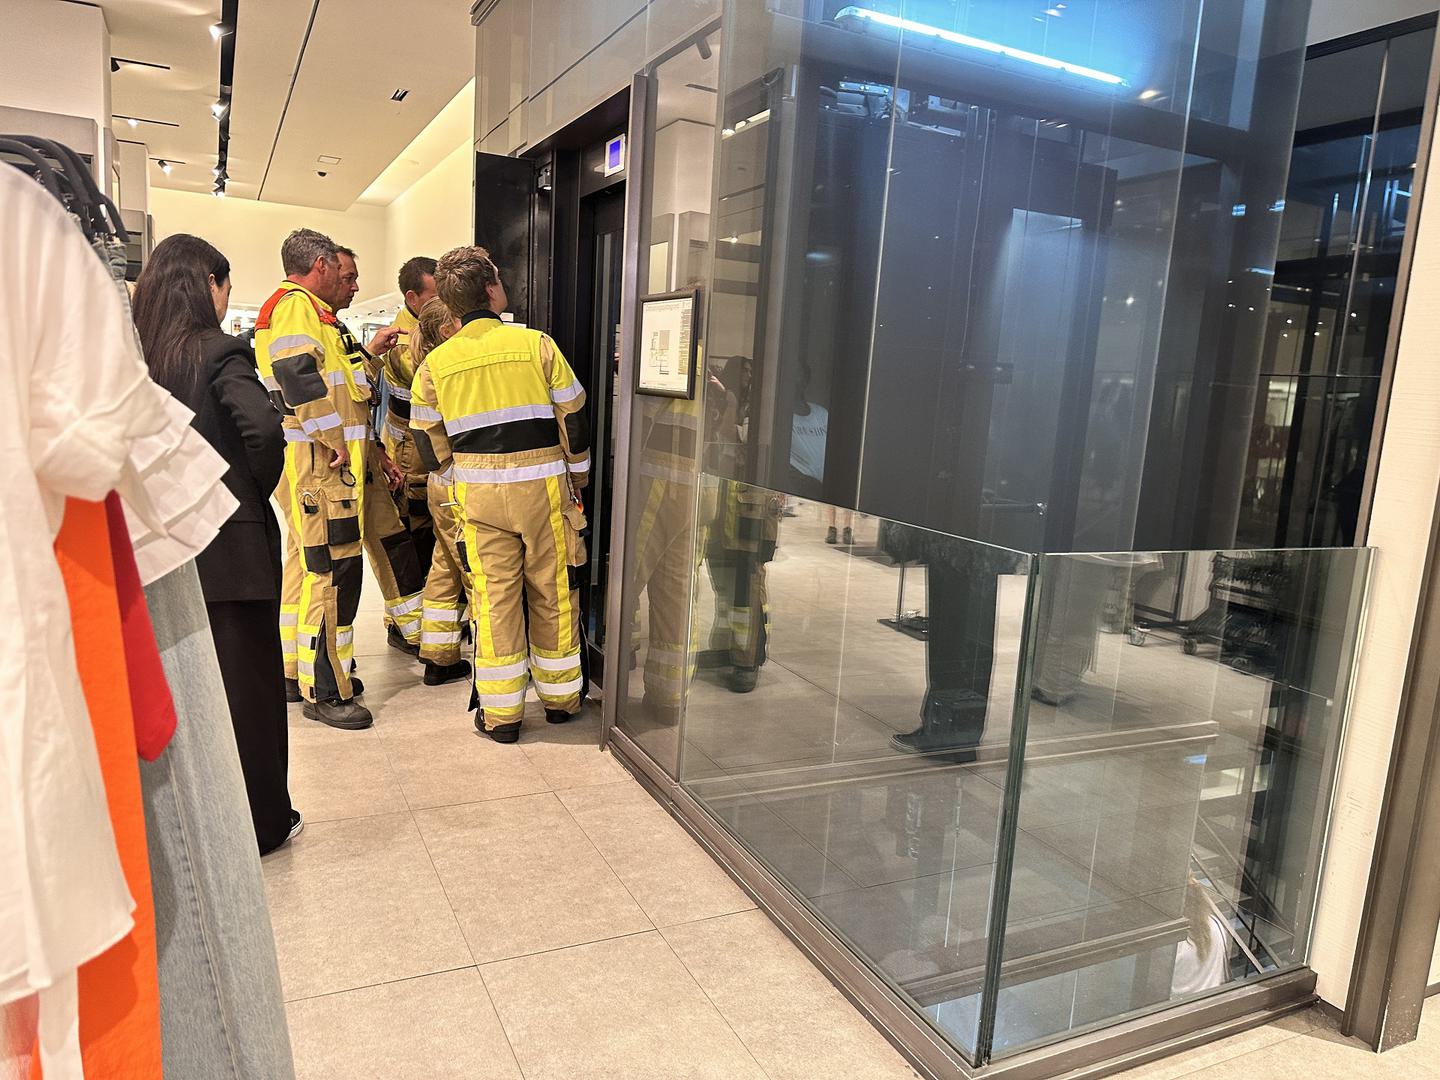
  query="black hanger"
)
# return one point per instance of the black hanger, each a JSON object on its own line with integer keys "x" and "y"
{"x": 100, "y": 215}
{"x": 33, "y": 165}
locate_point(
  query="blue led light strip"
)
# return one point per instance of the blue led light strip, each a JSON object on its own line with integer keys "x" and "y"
{"x": 910, "y": 26}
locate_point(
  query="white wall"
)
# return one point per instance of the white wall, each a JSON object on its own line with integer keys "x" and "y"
{"x": 436, "y": 214}
{"x": 132, "y": 159}
{"x": 433, "y": 215}
{"x": 1405, "y": 503}
{"x": 55, "y": 58}
{"x": 679, "y": 185}
{"x": 249, "y": 234}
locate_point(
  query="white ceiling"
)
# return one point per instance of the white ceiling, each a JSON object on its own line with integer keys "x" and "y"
{"x": 295, "y": 97}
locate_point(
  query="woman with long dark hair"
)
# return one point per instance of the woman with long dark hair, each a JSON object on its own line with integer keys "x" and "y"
{"x": 180, "y": 302}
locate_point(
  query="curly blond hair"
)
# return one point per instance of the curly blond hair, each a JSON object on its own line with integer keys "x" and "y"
{"x": 436, "y": 323}
{"x": 462, "y": 277}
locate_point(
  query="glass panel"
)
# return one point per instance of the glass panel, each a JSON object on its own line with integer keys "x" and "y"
{"x": 666, "y": 434}
{"x": 1178, "y": 763}
{"x": 976, "y": 273}
{"x": 1347, "y": 207}
{"x": 844, "y": 692}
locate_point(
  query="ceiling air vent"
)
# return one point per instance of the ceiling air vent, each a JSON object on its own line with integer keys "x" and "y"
{"x": 399, "y": 95}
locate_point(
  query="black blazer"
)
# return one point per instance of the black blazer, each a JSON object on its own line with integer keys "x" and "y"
{"x": 234, "y": 413}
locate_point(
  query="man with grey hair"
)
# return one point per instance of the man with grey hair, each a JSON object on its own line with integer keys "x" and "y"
{"x": 325, "y": 414}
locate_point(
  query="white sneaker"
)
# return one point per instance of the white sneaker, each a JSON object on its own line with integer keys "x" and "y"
{"x": 297, "y": 825}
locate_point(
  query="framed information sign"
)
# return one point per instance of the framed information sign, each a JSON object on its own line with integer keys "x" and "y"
{"x": 667, "y": 342}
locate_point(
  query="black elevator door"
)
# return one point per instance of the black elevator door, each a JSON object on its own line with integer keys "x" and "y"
{"x": 597, "y": 323}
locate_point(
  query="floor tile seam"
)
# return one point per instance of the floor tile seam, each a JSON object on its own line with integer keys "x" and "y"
{"x": 753, "y": 905}
{"x": 712, "y": 918}
{"x": 478, "y": 802}
{"x": 445, "y": 892}
{"x": 614, "y": 873}
{"x": 309, "y": 821}
{"x": 482, "y": 964}
{"x": 524, "y": 749}
{"x": 499, "y": 1019}
{"x": 718, "y": 1010}
{"x": 739, "y": 839}
{"x": 382, "y": 982}
{"x": 1233, "y": 1057}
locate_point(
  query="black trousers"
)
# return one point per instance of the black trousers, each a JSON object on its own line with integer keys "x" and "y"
{"x": 247, "y": 644}
{"x": 959, "y": 653}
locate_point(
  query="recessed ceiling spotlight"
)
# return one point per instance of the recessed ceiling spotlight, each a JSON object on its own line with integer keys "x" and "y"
{"x": 132, "y": 121}
{"x": 1149, "y": 95}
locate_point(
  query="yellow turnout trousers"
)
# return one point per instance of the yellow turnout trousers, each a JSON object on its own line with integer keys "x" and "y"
{"x": 413, "y": 497}
{"x": 393, "y": 555}
{"x": 445, "y": 584}
{"x": 515, "y": 540}
{"x": 323, "y": 509}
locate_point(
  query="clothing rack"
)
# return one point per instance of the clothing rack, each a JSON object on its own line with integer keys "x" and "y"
{"x": 65, "y": 175}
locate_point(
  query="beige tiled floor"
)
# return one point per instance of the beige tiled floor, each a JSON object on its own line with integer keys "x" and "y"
{"x": 455, "y": 908}
{"x": 1305, "y": 1046}
{"x": 458, "y": 909}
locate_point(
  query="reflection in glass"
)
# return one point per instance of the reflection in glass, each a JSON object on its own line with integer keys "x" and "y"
{"x": 1175, "y": 718}
{"x": 667, "y": 434}
{"x": 1184, "y": 777}
{"x": 1346, "y": 211}
{"x": 967, "y": 306}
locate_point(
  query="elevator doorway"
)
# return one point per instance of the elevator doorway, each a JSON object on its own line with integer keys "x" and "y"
{"x": 597, "y": 322}
{"x": 556, "y": 218}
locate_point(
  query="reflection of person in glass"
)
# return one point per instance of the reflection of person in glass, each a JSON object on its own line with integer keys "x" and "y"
{"x": 742, "y": 538}
{"x": 961, "y": 589}
{"x": 809, "y": 432}
{"x": 664, "y": 554}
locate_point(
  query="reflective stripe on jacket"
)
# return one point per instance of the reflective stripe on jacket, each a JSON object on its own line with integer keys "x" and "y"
{"x": 494, "y": 398}
{"x": 302, "y": 359}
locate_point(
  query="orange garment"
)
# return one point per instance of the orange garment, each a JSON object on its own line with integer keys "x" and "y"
{"x": 120, "y": 989}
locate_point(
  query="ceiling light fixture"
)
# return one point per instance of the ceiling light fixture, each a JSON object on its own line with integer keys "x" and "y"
{"x": 925, "y": 29}
{"x": 218, "y": 30}
{"x": 1149, "y": 95}
{"x": 217, "y": 110}
{"x": 166, "y": 167}
{"x": 132, "y": 121}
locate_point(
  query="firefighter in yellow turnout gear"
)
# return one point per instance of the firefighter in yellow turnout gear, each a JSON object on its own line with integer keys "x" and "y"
{"x": 445, "y": 586}
{"x": 504, "y": 403}
{"x": 396, "y": 371}
{"x": 393, "y": 557}
{"x": 303, "y": 363}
